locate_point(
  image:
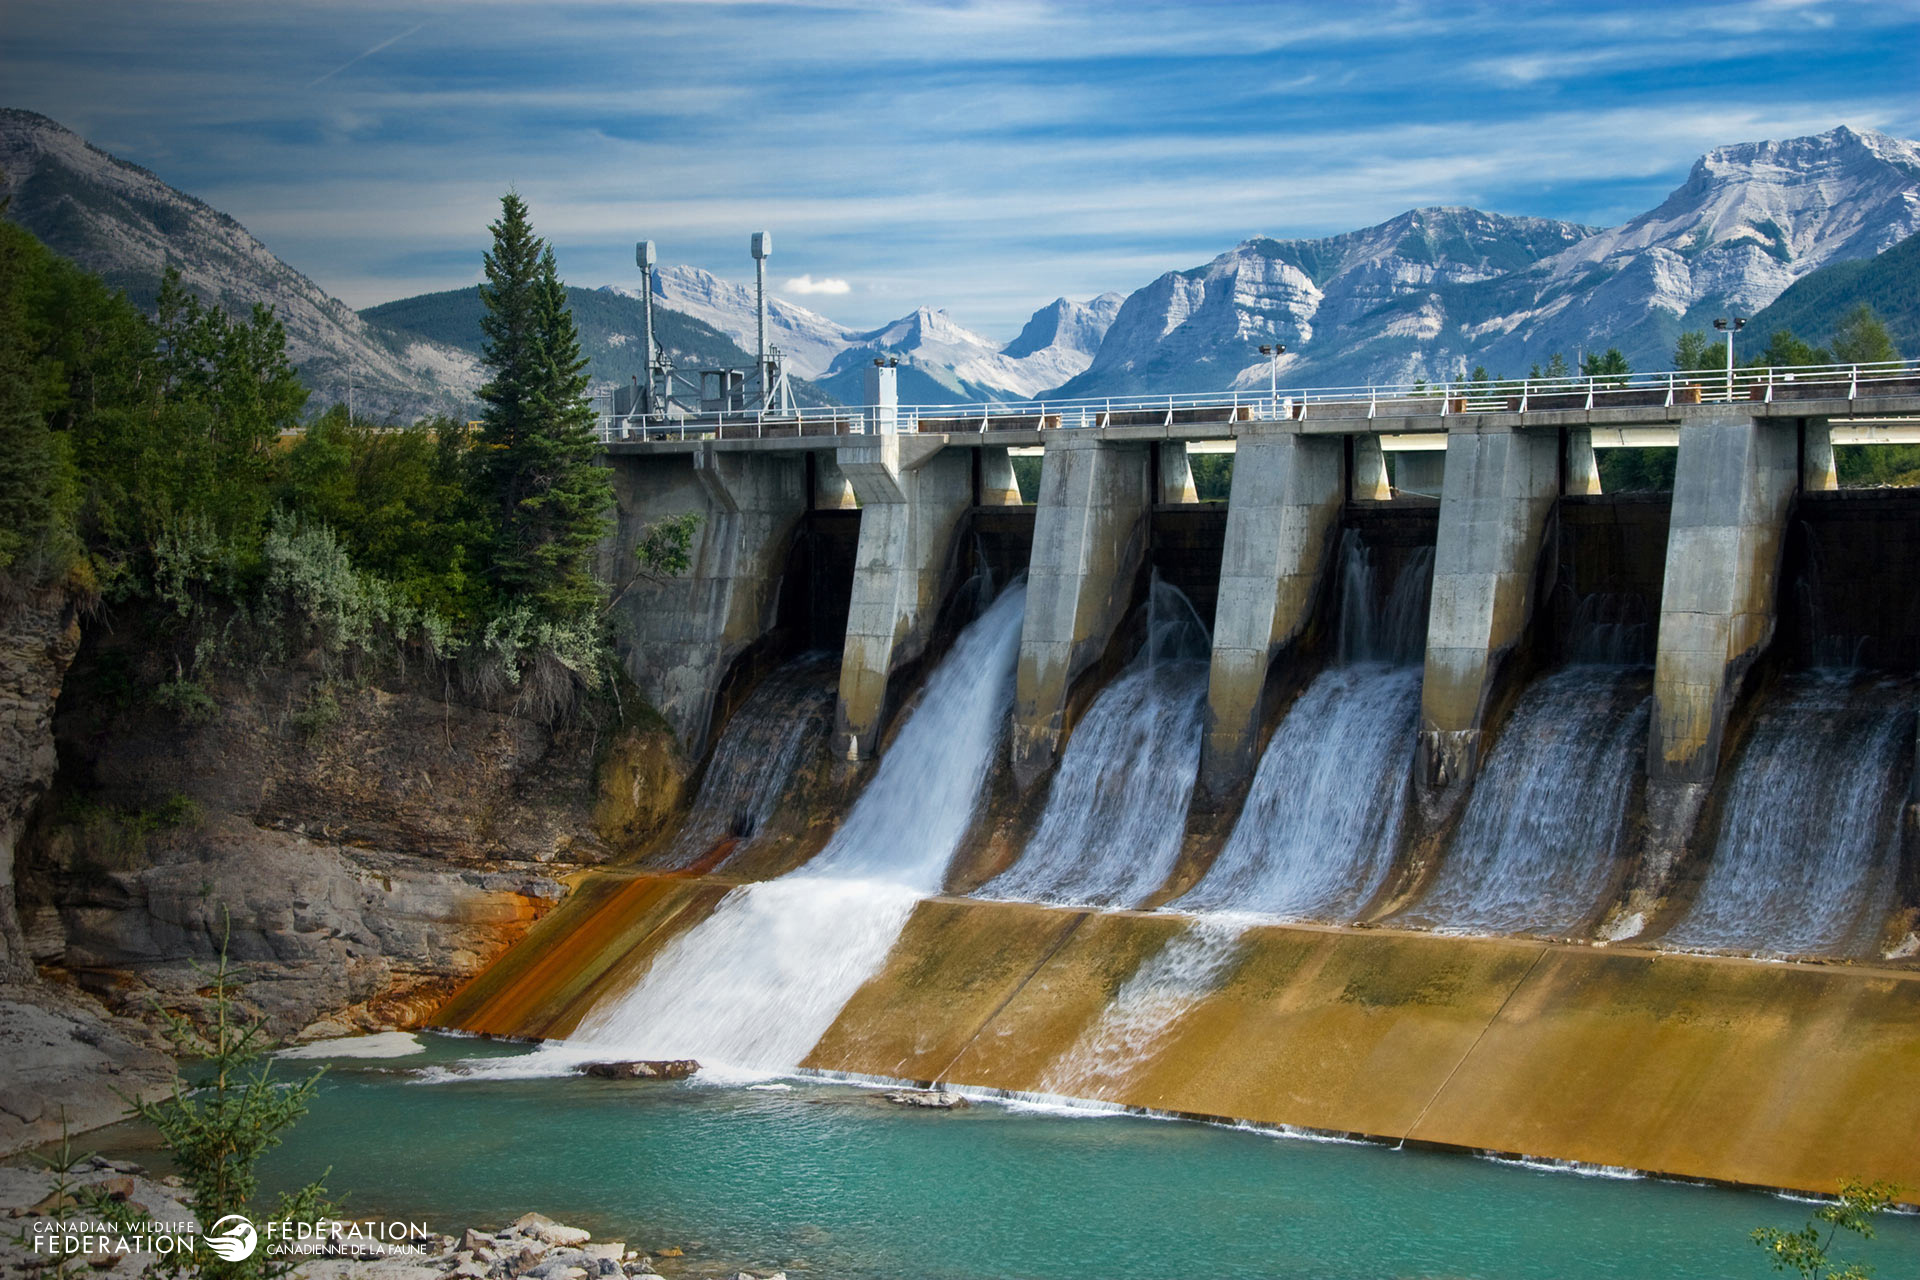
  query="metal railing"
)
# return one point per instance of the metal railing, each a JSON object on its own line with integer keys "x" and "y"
{"x": 1665, "y": 389}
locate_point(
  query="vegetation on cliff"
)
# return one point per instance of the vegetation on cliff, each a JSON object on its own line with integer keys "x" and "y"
{"x": 159, "y": 462}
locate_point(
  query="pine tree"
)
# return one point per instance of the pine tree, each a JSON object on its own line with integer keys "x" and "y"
{"x": 538, "y": 452}
{"x": 26, "y": 449}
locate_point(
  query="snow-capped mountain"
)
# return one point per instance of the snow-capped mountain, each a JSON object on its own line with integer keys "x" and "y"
{"x": 1435, "y": 292}
{"x": 947, "y": 361}
{"x": 1201, "y": 328}
{"x": 810, "y": 340}
{"x": 126, "y": 225}
{"x": 941, "y": 362}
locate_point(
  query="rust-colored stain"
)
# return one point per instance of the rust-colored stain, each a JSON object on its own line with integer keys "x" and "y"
{"x": 543, "y": 986}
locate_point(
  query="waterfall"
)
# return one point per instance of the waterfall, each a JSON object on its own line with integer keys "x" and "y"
{"x": 755, "y": 759}
{"x": 1538, "y": 843}
{"x": 1117, "y": 808}
{"x": 1323, "y": 817}
{"x": 1807, "y": 849}
{"x": 1144, "y": 1012}
{"x": 761, "y": 979}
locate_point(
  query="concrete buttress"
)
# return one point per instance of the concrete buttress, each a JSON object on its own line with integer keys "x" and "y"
{"x": 1733, "y": 486}
{"x": 998, "y": 487}
{"x": 913, "y": 495}
{"x": 1282, "y": 513}
{"x": 678, "y": 635}
{"x": 1500, "y": 486}
{"x": 1175, "y": 474}
{"x": 1089, "y": 540}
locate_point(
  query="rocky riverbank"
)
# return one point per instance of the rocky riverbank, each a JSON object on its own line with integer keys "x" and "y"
{"x": 364, "y": 844}
{"x": 533, "y": 1247}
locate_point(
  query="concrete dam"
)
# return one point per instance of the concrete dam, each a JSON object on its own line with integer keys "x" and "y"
{"x": 1418, "y": 792}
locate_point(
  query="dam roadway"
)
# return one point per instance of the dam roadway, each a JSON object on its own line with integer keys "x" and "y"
{"x": 870, "y": 531}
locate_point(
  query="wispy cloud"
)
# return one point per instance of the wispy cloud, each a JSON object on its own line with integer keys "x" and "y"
{"x": 825, "y": 284}
{"x": 981, "y": 155}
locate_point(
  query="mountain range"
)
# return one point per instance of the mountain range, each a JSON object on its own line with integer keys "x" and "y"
{"x": 1431, "y": 293}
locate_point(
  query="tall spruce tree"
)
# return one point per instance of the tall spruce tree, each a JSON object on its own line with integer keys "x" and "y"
{"x": 537, "y": 449}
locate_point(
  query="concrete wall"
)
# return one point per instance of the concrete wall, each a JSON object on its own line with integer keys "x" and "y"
{"x": 998, "y": 488}
{"x": 1420, "y": 471}
{"x": 1370, "y": 482}
{"x": 913, "y": 495}
{"x": 1281, "y": 516}
{"x": 1175, "y": 473}
{"x": 1500, "y": 488}
{"x": 1089, "y": 539}
{"x": 1733, "y": 486}
{"x": 678, "y": 636}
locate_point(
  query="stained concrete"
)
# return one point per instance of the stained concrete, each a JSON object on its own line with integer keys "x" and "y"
{"x": 1583, "y": 470}
{"x": 1175, "y": 473}
{"x": 678, "y": 635}
{"x": 1281, "y": 516}
{"x": 1769, "y": 1074}
{"x": 912, "y": 497}
{"x": 998, "y": 487}
{"x": 1500, "y": 488}
{"x": 1370, "y": 483}
{"x": 1734, "y": 482}
{"x": 1089, "y": 540}
{"x": 1818, "y": 474}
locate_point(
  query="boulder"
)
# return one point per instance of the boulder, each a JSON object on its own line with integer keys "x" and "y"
{"x": 936, "y": 1099}
{"x": 662, "y": 1069}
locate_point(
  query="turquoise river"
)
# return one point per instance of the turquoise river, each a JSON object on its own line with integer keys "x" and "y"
{"x": 827, "y": 1180}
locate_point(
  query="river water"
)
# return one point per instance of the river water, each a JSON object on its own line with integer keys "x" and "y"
{"x": 825, "y": 1181}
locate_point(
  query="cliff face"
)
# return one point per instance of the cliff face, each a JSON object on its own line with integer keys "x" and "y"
{"x": 363, "y": 850}
{"x": 37, "y": 642}
{"x": 61, "y": 1057}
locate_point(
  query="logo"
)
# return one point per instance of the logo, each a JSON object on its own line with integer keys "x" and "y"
{"x": 233, "y": 1238}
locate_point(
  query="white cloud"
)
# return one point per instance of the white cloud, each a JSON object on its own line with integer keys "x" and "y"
{"x": 825, "y": 284}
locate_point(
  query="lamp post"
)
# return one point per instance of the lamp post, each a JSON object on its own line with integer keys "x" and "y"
{"x": 1730, "y": 325}
{"x": 1273, "y": 351}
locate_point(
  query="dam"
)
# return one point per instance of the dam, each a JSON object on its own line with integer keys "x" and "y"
{"x": 1418, "y": 791}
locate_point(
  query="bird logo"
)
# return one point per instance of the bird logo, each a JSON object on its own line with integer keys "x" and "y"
{"x": 233, "y": 1238}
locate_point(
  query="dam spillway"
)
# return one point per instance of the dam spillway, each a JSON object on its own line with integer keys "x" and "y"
{"x": 1435, "y": 887}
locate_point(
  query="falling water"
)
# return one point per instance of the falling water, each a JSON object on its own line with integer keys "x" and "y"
{"x": 1323, "y": 817}
{"x": 1144, "y": 1012}
{"x": 756, "y": 984}
{"x": 1118, "y": 806}
{"x": 756, "y": 758}
{"x": 1807, "y": 848}
{"x": 1539, "y": 840}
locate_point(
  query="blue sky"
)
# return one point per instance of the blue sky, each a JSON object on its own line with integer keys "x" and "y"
{"x": 982, "y": 157}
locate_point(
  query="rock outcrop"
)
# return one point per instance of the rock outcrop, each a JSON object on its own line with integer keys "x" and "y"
{"x": 361, "y": 851}
{"x": 38, "y": 638}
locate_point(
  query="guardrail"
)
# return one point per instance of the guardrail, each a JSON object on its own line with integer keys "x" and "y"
{"x": 1385, "y": 400}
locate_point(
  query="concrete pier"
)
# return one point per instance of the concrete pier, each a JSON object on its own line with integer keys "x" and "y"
{"x": 1733, "y": 485}
{"x": 912, "y": 497}
{"x": 998, "y": 488}
{"x": 1089, "y": 540}
{"x": 1281, "y": 518}
{"x": 677, "y": 636}
{"x": 1818, "y": 473}
{"x": 1370, "y": 471}
{"x": 1501, "y": 485}
{"x": 1175, "y": 474}
{"x": 1583, "y": 469}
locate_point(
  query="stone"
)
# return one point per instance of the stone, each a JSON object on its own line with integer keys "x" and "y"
{"x": 935, "y": 1099}
{"x": 472, "y": 1240}
{"x": 660, "y": 1069}
{"x": 614, "y": 1249}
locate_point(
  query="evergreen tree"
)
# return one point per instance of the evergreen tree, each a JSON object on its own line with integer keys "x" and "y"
{"x": 1694, "y": 352}
{"x": 1611, "y": 363}
{"x": 1862, "y": 339}
{"x": 538, "y": 453}
{"x": 27, "y": 460}
{"x": 1783, "y": 350}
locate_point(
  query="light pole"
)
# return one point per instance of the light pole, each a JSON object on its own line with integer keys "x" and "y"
{"x": 1730, "y": 325}
{"x": 1273, "y": 351}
